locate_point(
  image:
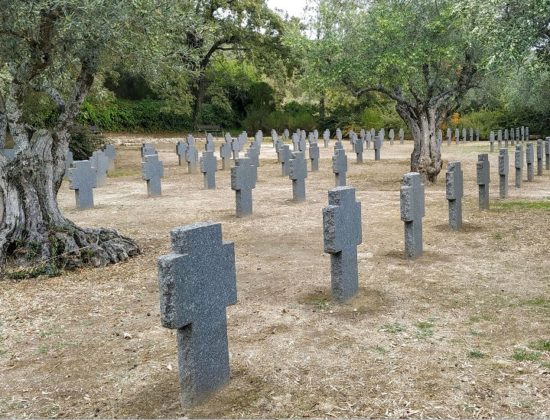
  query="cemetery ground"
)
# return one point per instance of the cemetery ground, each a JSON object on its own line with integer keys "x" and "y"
{"x": 460, "y": 332}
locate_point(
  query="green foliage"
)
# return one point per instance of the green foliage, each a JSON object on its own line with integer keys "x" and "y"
{"x": 84, "y": 141}
{"x": 476, "y": 354}
{"x": 522, "y": 355}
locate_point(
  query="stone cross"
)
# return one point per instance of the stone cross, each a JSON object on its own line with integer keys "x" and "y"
{"x": 295, "y": 142}
{"x": 340, "y": 167}
{"x": 492, "y": 141}
{"x": 368, "y": 139}
{"x": 540, "y": 155}
{"x": 518, "y": 163}
{"x": 181, "y": 151}
{"x": 147, "y": 149}
{"x": 392, "y": 136}
{"x": 316, "y": 136}
{"x": 302, "y": 142}
{"x": 197, "y": 281}
{"x": 499, "y": 138}
{"x": 326, "y": 137}
{"x": 314, "y": 156}
{"x": 464, "y": 134}
{"x": 253, "y": 153}
{"x": 530, "y": 160}
{"x": 382, "y": 134}
{"x": 352, "y": 140}
{"x": 547, "y": 152}
{"x": 83, "y": 180}
{"x": 454, "y": 182}
{"x": 401, "y": 136}
{"x": 412, "y": 212}
{"x": 522, "y": 133}
{"x": 342, "y": 233}
{"x": 449, "y": 136}
{"x": 298, "y": 175}
{"x": 286, "y": 133}
{"x": 518, "y": 135}
{"x": 284, "y": 159}
{"x": 209, "y": 144}
{"x": 503, "y": 170}
{"x": 235, "y": 147}
{"x": 209, "y": 166}
{"x": 483, "y": 180}
{"x": 471, "y": 134}
{"x": 225, "y": 154}
{"x": 152, "y": 171}
{"x": 477, "y": 134}
{"x": 372, "y": 133}
{"x": 243, "y": 181}
{"x": 110, "y": 152}
{"x": 359, "y": 150}
{"x": 100, "y": 163}
{"x": 192, "y": 155}
{"x": 274, "y": 137}
{"x": 457, "y": 136}
{"x": 527, "y": 136}
{"x": 377, "y": 147}
{"x": 506, "y": 137}
{"x": 258, "y": 139}
{"x": 512, "y": 136}
{"x": 338, "y": 134}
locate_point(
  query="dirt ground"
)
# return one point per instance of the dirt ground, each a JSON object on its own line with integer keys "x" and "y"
{"x": 462, "y": 332}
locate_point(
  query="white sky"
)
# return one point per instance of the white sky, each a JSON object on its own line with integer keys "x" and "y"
{"x": 293, "y": 7}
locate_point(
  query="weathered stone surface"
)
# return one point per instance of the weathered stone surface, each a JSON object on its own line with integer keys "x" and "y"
{"x": 225, "y": 153}
{"x": 454, "y": 182}
{"x": 499, "y": 138}
{"x": 243, "y": 181}
{"x": 100, "y": 163}
{"x": 181, "y": 151}
{"x": 298, "y": 175}
{"x": 338, "y": 134}
{"x": 492, "y": 141}
{"x": 209, "y": 145}
{"x": 506, "y": 137}
{"x": 152, "y": 170}
{"x": 286, "y": 133}
{"x": 391, "y": 135}
{"x": 377, "y": 147}
{"x": 296, "y": 142}
{"x": 547, "y": 152}
{"x": 209, "y": 166}
{"x": 518, "y": 164}
{"x": 412, "y": 212}
{"x": 274, "y": 137}
{"x": 483, "y": 180}
{"x": 326, "y": 138}
{"x": 197, "y": 281}
{"x": 83, "y": 179}
{"x": 503, "y": 171}
{"x": 359, "y": 149}
{"x": 284, "y": 155}
{"x": 342, "y": 233}
{"x": 110, "y": 152}
{"x": 340, "y": 167}
{"x": 457, "y": 136}
{"x": 147, "y": 149}
{"x": 314, "y": 156}
{"x": 253, "y": 153}
{"x": 530, "y": 160}
{"x": 192, "y": 155}
{"x": 540, "y": 155}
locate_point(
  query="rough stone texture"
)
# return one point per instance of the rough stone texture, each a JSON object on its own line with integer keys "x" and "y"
{"x": 492, "y": 141}
{"x": 530, "y": 160}
{"x": 483, "y": 180}
{"x": 181, "y": 151}
{"x": 401, "y": 136}
{"x": 464, "y": 134}
{"x": 298, "y": 174}
{"x": 258, "y": 140}
{"x": 148, "y": 149}
{"x": 342, "y": 233}
{"x": 243, "y": 181}
{"x": 457, "y": 136}
{"x": 471, "y": 134}
{"x": 518, "y": 135}
{"x": 377, "y": 147}
{"x": 506, "y": 137}
{"x": 391, "y": 136}
{"x": 503, "y": 171}
{"x": 283, "y": 155}
{"x": 512, "y": 136}
{"x": 274, "y": 137}
{"x": 100, "y": 163}
{"x": 540, "y": 155}
{"x": 152, "y": 170}
{"x": 518, "y": 164}
{"x": 359, "y": 150}
{"x": 338, "y": 134}
{"x": 296, "y": 142}
{"x": 197, "y": 281}
{"x": 110, "y": 152}
{"x": 192, "y": 155}
{"x": 454, "y": 183}
{"x": 412, "y": 212}
{"x": 326, "y": 138}
{"x": 314, "y": 156}
{"x": 340, "y": 167}
{"x": 209, "y": 166}
{"x": 286, "y": 133}
{"x": 209, "y": 145}
{"x": 225, "y": 154}
{"x": 83, "y": 179}
{"x": 236, "y": 147}
{"x": 547, "y": 152}
{"x": 368, "y": 139}
{"x": 499, "y": 138}
{"x": 253, "y": 153}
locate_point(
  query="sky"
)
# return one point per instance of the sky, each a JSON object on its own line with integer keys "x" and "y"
{"x": 293, "y": 7}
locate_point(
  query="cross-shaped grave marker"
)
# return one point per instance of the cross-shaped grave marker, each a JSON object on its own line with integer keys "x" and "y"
{"x": 192, "y": 155}
{"x": 110, "y": 152}
{"x": 326, "y": 137}
{"x": 454, "y": 182}
{"x": 340, "y": 167}
{"x": 503, "y": 171}
{"x": 412, "y": 212}
{"x": 377, "y": 147}
{"x": 243, "y": 181}
{"x": 342, "y": 233}
{"x": 209, "y": 166}
{"x": 83, "y": 180}
{"x": 483, "y": 180}
{"x": 100, "y": 163}
{"x": 298, "y": 174}
{"x": 147, "y": 149}
{"x": 181, "y": 151}
{"x": 530, "y": 160}
{"x": 359, "y": 150}
{"x": 518, "y": 164}
{"x": 225, "y": 153}
{"x": 283, "y": 154}
{"x": 152, "y": 170}
{"x": 540, "y": 155}
{"x": 314, "y": 156}
{"x": 197, "y": 281}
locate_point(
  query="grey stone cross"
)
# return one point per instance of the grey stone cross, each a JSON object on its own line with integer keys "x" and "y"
{"x": 518, "y": 164}
{"x": 258, "y": 139}
{"x": 518, "y": 135}
{"x": 100, "y": 163}
{"x": 471, "y": 134}
{"x": 392, "y": 136}
{"x": 503, "y": 171}
{"x": 253, "y": 153}
{"x": 147, "y": 149}
{"x": 359, "y": 150}
{"x": 225, "y": 154}
{"x": 412, "y": 212}
{"x": 243, "y": 181}
{"x": 499, "y": 138}
{"x": 540, "y": 155}
{"x": 192, "y": 155}
{"x": 492, "y": 141}
{"x": 298, "y": 174}
{"x": 342, "y": 233}
{"x": 377, "y": 147}
{"x": 302, "y": 141}
{"x": 530, "y": 160}
{"x": 506, "y": 137}
{"x": 326, "y": 137}
{"x": 512, "y": 136}
{"x": 181, "y": 151}
{"x": 314, "y": 156}
{"x": 83, "y": 180}
{"x": 368, "y": 139}
{"x": 457, "y": 136}
{"x": 152, "y": 171}
{"x": 286, "y": 133}
{"x": 197, "y": 281}
{"x": 338, "y": 134}
{"x": 340, "y": 167}
{"x": 547, "y": 152}
{"x": 209, "y": 145}
{"x": 283, "y": 155}
{"x": 454, "y": 183}
{"x": 464, "y": 134}
{"x": 110, "y": 152}
{"x": 209, "y": 166}
{"x": 296, "y": 142}
{"x": 483, "y": 180}
{"x": 522, "y": 133}
{"x": 274, "y": 137}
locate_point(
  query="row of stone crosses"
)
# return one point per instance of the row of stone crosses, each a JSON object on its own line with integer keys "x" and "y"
{"x": 197, "y": 281}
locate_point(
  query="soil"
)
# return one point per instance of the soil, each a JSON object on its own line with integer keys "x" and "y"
{"x": 462, "y": 332}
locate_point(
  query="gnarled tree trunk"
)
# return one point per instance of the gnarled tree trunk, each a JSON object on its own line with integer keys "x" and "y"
{"x": 426, "y": 156}
{"x": 32, "y": 228}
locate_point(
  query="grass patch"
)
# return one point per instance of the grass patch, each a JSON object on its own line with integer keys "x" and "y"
{"x": 119, "y": 173}
{"x": 393, "y": 328}
{"x": 425, "y": 329}
{"x": 522, "y": 355}
{"x": 476, "y": 354}
{"x": 379, "y": 350}
{"x": 478, "y": 318}
{"x": 540, "y": 345}
{"x": 538, "y": 301}
{"x": 498, "y": 236}
{"x": 523, "y": 205}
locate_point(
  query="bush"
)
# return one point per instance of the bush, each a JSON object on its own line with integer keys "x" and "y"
{"x": 84, "y": 141}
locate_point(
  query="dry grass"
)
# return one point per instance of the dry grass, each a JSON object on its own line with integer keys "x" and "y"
{"x": 461, "y": 332}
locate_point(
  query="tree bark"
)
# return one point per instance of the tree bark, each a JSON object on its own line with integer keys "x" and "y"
{"x": 426, "y": 156}
{"x": 33, "y": 230}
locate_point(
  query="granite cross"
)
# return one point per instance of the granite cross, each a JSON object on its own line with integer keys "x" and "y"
{"x": 454, "y": 182}
{"x": 518, "y": 163}
{"x": 209, "y": 166}
{"x": 377, "y": 147}
{"x": 503, "y": 171}
{"x": 110, "y": 152}
{"x": 147, "y": 149}
{"x": 326, "y": 137}
{"x": 340, "y": 167}
{"x": 492, "y": 141}
{"x": 540, "y": 155}
{"x": 283, "y": 155}
{"x": 412, "y": 212}
{"x": 152, "y": 171}
{"x": 192, "y": 155}
{"x": 298, "y": 174}
{"x": 225, "y": 154}
{"x": 100, "y": 163}
{"x": 83, "y": 180}
{"x": 530, "y": 160}
{"x": 314, "y": 156}
{"x": 243, "y": 181}
{"x": 181, "y": 151}
{"x": 483, "y": 180}
{"x": 359, "y": 150}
